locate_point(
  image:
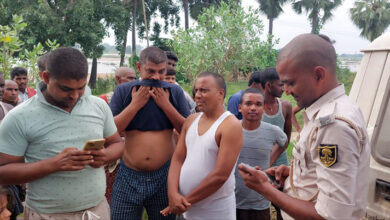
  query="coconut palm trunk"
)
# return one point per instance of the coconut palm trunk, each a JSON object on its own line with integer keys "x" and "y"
{"x": 186, "y": 15}
{"x": 133, "y": 34}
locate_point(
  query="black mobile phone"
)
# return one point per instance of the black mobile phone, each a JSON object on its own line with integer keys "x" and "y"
{"x": 271, "y": 179}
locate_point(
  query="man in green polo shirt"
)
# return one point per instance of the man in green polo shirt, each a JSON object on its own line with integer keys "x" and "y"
{"x": 42, "y": 140}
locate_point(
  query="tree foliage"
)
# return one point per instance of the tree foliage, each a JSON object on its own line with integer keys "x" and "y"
{"x": 162, "y": 43}
{"x": 30, "y": 58}
{"x": 319, "y": 11}
{"x": 68, "y": 22}
{"x": 226, "y": 40}
{"x": 10, "y": 43}
{"x": 345, "y": 76}
{"x": 272, "y": 9}
{"x": 371, "y": 16}
{"x": 126, "y": 15}
{"x": 198, "y": 7}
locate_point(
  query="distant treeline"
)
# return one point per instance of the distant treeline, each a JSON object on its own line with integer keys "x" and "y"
{"x": 354, "y": 56}
{"x": 108, "y": 48}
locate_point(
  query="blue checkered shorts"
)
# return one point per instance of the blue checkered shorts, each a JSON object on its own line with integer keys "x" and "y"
{"x": 134, "y": 190}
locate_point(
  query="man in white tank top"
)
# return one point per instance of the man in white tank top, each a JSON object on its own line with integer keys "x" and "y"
{"x": 201, "y": 177}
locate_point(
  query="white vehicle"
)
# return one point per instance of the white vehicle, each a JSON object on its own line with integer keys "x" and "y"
{"x": 371, "y": 90}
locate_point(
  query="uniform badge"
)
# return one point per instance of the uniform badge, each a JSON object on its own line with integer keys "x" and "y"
{"x": 327, "y": 154}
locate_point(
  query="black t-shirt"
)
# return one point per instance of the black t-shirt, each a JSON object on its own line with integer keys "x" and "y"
{"x": 150, "y": 117}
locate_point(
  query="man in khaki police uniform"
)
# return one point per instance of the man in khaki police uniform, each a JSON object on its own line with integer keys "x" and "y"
{"x": 328, "y": 177}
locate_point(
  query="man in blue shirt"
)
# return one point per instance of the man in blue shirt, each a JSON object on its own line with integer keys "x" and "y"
{"x": 146, "y": 110}
{"x": 235, "y": 99}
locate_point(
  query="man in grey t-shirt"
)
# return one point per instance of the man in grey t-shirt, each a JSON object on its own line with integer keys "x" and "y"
{"x": 258, "y": 146}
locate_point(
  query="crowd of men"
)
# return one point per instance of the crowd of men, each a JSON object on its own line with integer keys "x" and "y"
{"x": 178, "y": 156}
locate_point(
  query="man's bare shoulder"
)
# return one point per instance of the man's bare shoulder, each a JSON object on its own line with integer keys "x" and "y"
{"x": 230, "y": 131}
{"x": 188, "y": 121}
{"x": 231, "y": 123}
{"x": 286, "y": 104}
{"x": 286, "y": 107}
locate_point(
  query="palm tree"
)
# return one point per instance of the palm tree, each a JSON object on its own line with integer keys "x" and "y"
{"x": 95, "y": 54}
{"x": 371, "y": 16}
{"x": 133, "y": 25}
{"x": 186, "y": 14}
{"x": 314, "y": 9}
{"x": 129, "y": 15}
{"x": 197, "y": 6}
{"x": 271, "y": 8}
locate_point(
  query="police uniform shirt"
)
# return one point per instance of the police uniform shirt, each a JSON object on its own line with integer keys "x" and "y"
{"x": 331, "y": 158}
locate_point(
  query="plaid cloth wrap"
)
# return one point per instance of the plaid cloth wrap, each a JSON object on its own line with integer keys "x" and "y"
{"x": 134, "y": 190}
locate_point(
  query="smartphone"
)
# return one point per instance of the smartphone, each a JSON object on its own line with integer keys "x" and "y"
{"x": 271, "y": 179}
{"x": 95, "y": 144}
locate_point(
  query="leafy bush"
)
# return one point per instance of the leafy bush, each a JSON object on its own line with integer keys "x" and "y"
{"x": 226, "y": 40}
{"x": 104, "y": 85}
{"x": 12, "y": 53}
{"x": 133, "y": 59}
{"x": 345, "y": 76}
{"x": 10, "y": 44}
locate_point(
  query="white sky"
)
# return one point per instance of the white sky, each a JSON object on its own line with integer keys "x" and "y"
{"x": 289, "y": 24}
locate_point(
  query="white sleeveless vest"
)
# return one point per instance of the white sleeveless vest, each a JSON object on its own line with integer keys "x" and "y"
{"x": 201, "y": 158}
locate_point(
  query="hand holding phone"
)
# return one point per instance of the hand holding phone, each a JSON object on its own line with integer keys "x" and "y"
{"x": 96, "y": 144}
{"x": 271, "y": 179}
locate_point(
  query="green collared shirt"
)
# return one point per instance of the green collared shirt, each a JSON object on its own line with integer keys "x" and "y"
{"x": 38, "y": 130}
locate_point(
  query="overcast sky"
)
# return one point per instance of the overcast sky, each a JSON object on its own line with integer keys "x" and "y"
{"x": 289, "y": 24}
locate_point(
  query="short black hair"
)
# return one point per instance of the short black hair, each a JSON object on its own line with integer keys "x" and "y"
{"x": 42, "y": 61}
{"x": 171, "y": 72}
{"x": 254, "y": 78}
{"x": 171, "y": 56}
{"x": 18, "y": 71}
{"x": 268, "y": 75}
{"x": 153, "y": 54}
{"x": 251, "y": 90}
{"x": 67, "y": 63}
{"x": 218, "y": 78}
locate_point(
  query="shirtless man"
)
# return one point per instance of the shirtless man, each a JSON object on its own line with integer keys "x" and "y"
{"x": 201, "y": 178}
{"x": 147, "y": 110}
